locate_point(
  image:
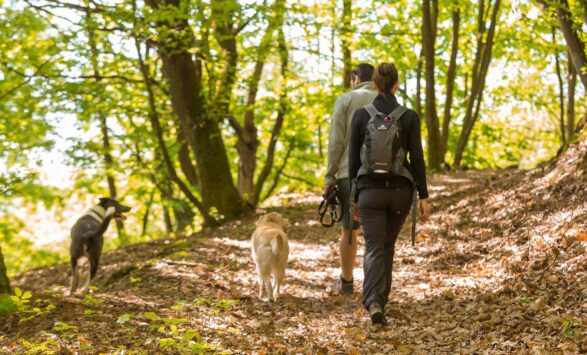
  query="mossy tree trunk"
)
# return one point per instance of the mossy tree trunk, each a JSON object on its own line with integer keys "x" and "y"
{"x": 4, "y": 282}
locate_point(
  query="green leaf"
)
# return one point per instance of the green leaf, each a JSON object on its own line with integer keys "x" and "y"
{"x": 7, "y": 305}
{"x": 124, "y": 318}
{"x": 167, "y": 343}
{"x": 151, "y": 316}
{"x": 62, "y": 327}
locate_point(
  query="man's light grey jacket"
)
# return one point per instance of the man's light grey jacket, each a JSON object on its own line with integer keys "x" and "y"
{"x": 340, "y": 124}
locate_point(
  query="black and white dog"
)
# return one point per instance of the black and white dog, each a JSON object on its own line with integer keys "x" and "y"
{"x": 87, "y": 236}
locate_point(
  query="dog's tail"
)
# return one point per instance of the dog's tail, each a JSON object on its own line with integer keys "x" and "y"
{"x": 277, "y": 244}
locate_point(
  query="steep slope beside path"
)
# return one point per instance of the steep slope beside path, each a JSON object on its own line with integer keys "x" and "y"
{"x": 500, "y": 267}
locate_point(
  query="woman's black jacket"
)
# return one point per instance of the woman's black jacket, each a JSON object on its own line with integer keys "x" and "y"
{"x": 410, "y": 138}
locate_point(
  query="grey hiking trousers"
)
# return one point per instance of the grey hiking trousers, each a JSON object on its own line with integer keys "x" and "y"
{"x": 383, "y": 212}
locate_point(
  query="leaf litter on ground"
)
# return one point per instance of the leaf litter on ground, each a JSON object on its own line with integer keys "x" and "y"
{"x": 499, "y": 268}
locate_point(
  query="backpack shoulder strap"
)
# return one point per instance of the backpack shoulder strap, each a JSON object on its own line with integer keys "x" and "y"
{"x": 398, "y": 111}
{"x": 372, "y": 111}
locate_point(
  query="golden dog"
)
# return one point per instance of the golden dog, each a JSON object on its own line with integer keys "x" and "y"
{"x": 270, "y": 250}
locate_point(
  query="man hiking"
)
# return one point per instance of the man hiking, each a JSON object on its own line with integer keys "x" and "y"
{"x": 363, "y": 93}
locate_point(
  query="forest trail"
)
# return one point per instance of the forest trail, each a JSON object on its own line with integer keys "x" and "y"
{"x": 500, "y": 267}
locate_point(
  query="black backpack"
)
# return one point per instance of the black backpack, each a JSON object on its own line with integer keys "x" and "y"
{"x": 382, "y": 153}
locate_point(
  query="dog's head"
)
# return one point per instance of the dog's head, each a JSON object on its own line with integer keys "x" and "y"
{"x": 273, "y": 218}
{"x": 119, "y": 208}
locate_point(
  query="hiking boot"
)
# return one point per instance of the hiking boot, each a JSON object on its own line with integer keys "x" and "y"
{"x": 376, "y": 314}
{"x": 344, "y": 287}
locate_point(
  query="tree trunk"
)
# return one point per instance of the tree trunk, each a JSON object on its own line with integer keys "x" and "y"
{"x": 184, "y": 215}
{"x": 480, "y": 68}
{"x": 247, "y": 137}
{"x": 430, "y": 12}
{"x": 202, "y": 131}
{"x": 571, "y": 89}
{"x": 156, "y": 125}
{"x": 185, "y": 160}
{"x": 224, "y": 13}
{"x": 450, "y": 79}
{"x": 419, "y": 84}
{"x": 147, "y": 213}
{"x": 106, "y": 146}
{"x": 283, "y": 104}
{"x": 4, "y": 282}
{"x": 561, "y": 91}
{"x": 167, "y": 220}
{"x": 346, "y": 39}
{"x": 575, "y": 46}
{"x": 280, "y": 170}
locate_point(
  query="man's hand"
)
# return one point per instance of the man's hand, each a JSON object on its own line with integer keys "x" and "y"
{"x": 424, "y": 207}
{"x": 327, "y": 189}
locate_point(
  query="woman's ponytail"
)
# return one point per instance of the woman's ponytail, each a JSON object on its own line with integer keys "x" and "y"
{"x": 385, "y": 77}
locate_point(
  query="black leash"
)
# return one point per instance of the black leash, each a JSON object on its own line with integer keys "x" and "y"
{"x": 414, "y": 216}
{"x": 330, "y": 209}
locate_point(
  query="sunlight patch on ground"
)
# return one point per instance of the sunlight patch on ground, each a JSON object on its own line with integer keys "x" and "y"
{"x": 287, "y": 199}
{"x": 305, "y": 252}
{"x": 243, "y": 244}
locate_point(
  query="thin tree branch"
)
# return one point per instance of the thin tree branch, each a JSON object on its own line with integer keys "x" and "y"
{"x": 279, "y": 171}
{"x": 25, "y": 82}
{"x": 278, "y": 121}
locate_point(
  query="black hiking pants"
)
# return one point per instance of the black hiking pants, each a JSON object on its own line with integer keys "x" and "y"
{"x": 383, "y": 212}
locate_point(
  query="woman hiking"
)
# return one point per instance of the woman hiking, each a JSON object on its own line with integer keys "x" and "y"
{"x": 383, "y": 135}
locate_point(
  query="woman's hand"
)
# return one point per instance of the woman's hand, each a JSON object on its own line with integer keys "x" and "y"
{"x": 424, "y": 206}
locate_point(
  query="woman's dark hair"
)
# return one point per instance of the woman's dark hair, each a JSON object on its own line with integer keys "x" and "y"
{"x": 364, "y": 72}
{"x": 385, "y": 77}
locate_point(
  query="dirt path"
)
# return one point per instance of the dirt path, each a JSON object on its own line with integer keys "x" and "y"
{"x": 459, "y": 291}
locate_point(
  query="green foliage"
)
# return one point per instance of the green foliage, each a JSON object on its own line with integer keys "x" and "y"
{"x": 7, "y": 305}
{"x": 91, "y": 301}
{"x": 218, "y": 305}
{"x": 20, "y": 253}
{"x": 21, "y": 303}
{"x": 49, "y": 346}
{"x": 176, "y": 338}
{"x": 124, "y": 318}
{"x": 524, "y": 147}
{"x": 570, "y": 327}
{"x": 62, "y": 327}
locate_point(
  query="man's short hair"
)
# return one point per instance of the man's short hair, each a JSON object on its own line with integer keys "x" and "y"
{"x": 364, "y": 72}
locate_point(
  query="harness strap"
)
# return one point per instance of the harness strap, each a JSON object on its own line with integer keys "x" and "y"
{"x": 95, "y": 216}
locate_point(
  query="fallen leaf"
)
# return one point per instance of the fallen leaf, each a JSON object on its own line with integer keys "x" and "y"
{"x": 582, "y": 236}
